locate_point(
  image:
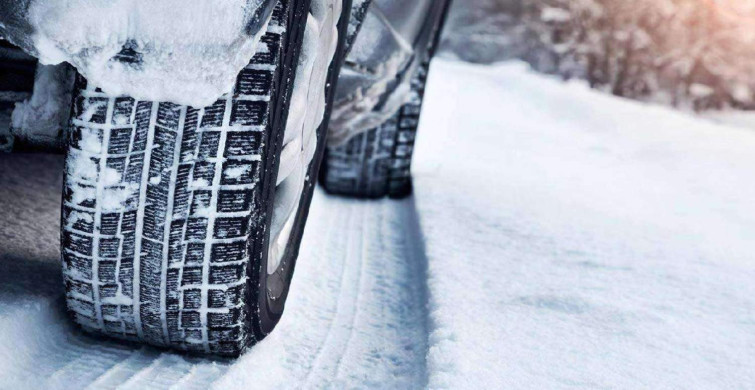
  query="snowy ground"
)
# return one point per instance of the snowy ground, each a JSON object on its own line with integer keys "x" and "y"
{"x": 561, "y": 239}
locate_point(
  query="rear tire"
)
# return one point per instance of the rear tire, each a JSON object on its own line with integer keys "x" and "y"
{"x": 377, "y": 162}
{"x": 167, "y": 209}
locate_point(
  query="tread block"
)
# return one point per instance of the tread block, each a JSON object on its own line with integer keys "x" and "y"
{"x": 78, "y": 220}
{"x": 249, "y": 113}
{"x": 232, "y": 296}
{"x": 120, "y": 141}
{"x": 221, "y": 334}
{"x": 192, "y": 299}
{"x": 86, "y": 139}
{"x": 196, "y": 229}
{"x": 169, "y": 115}
{"x": 228, "y": 252}
{"x": 80, "y": 288}
{"x": 77, "y": 243}
{"x": 108, "y": 291}
{"x": 254, "y": 82}
{"x": 191, "y": 276}
{"x": 201, "y": 202}
{"x": 212, "y": 116}
{"x": 230, "y": 201}
{"x": 123, "y": 111}
{"x": 190, "y": 319}
{"x": 220, "y": 320}
{"x": 93, "y": 109}
{"x": 226, "y": 274}
{"x": 110, "y": 247}
{"x": 231, "y": 227}
{"x": 243, "y": 143}
{"x": 109, "y": 223}
{"x": 239, "y": 172}
{"x": 204, "y": 173}
{"x": 194, "y": 254}
{"x": 106, "y": 271}
{"x": 208, "y": 144}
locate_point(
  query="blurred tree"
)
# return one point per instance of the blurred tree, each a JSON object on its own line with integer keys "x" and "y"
{"x": 685, "y": 52}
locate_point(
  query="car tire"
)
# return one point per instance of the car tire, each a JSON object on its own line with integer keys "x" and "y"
{"x": 167, "y": 209}
{"x": 377, "y": 162}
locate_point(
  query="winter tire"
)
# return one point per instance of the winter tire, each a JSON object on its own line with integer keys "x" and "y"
{"x": 377, "y": 162}
{"x": 171, "y": 213}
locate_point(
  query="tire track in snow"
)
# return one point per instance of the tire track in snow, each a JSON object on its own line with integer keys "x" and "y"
{"x": 377, "y": 340}
{"x": 349, "y": 218}
{"x": 164, "y": 372}
{"x": 395, "y": 279}
{"x": 358, "y": 252}
{"x": 363, "y": 246}
{"x": 125, "y": 369}
{"x": 328, "y": 358}
{"x": 97, "y": 360}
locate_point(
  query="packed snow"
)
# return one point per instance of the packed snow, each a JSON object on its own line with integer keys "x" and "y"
{"x": 557, "y": 238}
{"x": 183, "y": 52}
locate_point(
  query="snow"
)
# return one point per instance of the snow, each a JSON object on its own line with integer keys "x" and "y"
{"x": 234, "y": 172}
{"x": 558, "y": 238}
{"x": 579, "y": 240}
{"x": 85, "y": 164}
{"x": 190, "y": 52}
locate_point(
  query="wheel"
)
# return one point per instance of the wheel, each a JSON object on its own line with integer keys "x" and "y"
{"x": 181, "y": 226}
{"x": 376, "y": 162}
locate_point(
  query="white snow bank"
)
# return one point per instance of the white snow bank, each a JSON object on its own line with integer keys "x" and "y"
{"x": 191, "y": 51}
{"x": 577, "y": 240}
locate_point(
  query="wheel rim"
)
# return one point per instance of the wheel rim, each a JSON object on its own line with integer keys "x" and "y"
{"x": 306, "y": 113}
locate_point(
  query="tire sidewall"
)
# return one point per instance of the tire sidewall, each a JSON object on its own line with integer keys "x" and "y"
{"x": 269, "y": 311}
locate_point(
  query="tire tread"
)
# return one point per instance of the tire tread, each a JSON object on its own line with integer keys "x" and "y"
{"x": 182, "y": 282}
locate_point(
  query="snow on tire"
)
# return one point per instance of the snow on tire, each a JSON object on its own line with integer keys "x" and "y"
{"x": 167, "y": 208}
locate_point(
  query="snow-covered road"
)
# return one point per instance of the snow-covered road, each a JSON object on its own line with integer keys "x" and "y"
{"x": 355, "y": 316}
{"x": 558, "y": 238}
